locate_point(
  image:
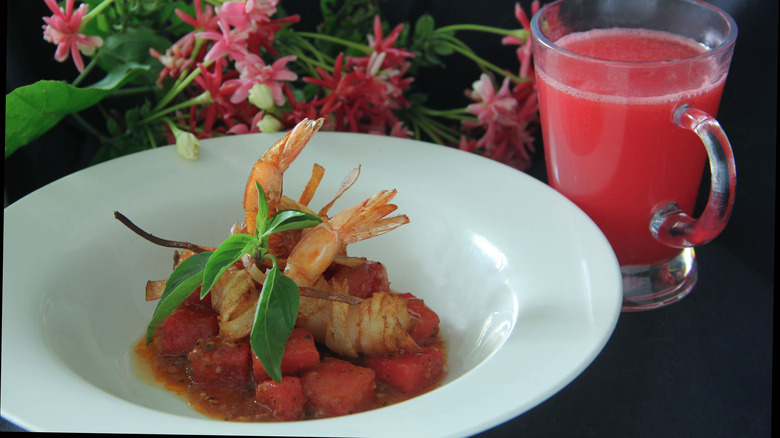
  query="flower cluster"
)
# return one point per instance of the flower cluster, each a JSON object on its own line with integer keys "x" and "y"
{"x": 505, "y": 115}
{"x": 237, "y": 67}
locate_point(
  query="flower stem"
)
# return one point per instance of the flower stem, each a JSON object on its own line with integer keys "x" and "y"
{"x": 520, "y": 34}
{"x": 151, "y": 137}
{"x": 92, "y": 64}
{"x": 131, "y": 91}
{"x": 357, "y": 46}
{"x": 439, "y": 132}
{"x": 454, "y": 114}
{"x": 178, "y": 87}
{"x": 93, "y": 13}
{"x": 89, "y": 128}
{"x": 204, "y": 98}
{"x": 309, "y": 62}
{"x": 464, "y": 50}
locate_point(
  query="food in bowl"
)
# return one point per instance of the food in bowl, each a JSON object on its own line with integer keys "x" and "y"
{"x": 278, "y": 323}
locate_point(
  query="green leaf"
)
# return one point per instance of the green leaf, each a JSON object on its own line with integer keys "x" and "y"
{"x": 228, "y": 252}
{"x": 285, "y": 220}
{"x": 423, "y": 28}
{"x": 442, "y": 47}
{"x": 262, "y": 211}
{"x": 133, "y": 45}
{"x": 182, "y": 282}
{"x": 33, "y": 109}
{"x": 275, "y": 317}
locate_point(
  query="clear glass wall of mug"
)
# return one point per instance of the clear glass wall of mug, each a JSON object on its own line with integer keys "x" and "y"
{"x": 628, "y": 92}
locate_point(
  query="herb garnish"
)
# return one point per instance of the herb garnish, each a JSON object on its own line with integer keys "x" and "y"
{"x": 277, "y": 307}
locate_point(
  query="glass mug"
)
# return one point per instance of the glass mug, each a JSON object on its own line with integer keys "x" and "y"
{"x": 627, "y": 94}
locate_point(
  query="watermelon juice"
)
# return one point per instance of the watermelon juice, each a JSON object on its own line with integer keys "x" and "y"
{"x": 609, "y": 137}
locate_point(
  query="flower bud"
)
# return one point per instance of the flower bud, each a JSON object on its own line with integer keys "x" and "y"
{"x": 187, "y": 145}
{"x": 260, "y": 95}
{"x": 269, "y": 124}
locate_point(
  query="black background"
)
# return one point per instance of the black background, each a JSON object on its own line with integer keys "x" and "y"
{"x": 701, "y": 367}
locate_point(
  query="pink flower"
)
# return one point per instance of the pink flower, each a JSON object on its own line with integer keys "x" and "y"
{"x": 204, "y": 20}
{"x": 228, "y": 42}
{"x": 243, "y": 14}
{"x": 506, "y": 118}
{"x": 491, "y": 106}
{"x": 253, "y": 18}
{"x": 254, "y": 70}
{"x": 522, "y": 17}
{"x": 62, "y": 29}
{"x": 503, "y": 118}
{"x": 176, "y": 59}
{"x": 524, "y": 51}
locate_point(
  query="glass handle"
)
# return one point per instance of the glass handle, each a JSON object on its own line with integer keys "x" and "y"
{"x": 670, "y": 225}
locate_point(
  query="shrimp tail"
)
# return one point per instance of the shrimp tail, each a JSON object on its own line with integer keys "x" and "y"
{"x": 268, "y": 171}
{"x": 319, "y": 247}
{"x": 368, "y": 219}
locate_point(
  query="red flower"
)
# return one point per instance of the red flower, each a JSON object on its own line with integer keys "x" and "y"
{"x": 222, "y": 109}
{"x": 357, "y": 100}
{"x": 395, "y": 57}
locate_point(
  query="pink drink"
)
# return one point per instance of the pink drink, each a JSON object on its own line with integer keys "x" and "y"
{"x": 617, "y": 154}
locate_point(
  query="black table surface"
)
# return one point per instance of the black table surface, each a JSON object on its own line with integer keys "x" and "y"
{"x": 700, "y": 367}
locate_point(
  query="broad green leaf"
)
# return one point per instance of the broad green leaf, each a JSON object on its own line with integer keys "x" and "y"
{"x": 423, "y": 28}
{"x": 228, "y": 252}
{"x": 286, "y": 220}
{"x": 442, "y": 47}
{"x": 274, "y": 321}
{"x": 33, "y": 109}
{"x": 133, "y": 45}
{"x": 182, "y": 282}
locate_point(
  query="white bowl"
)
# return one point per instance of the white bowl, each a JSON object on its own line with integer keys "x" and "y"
{"x": 527, "y": 288}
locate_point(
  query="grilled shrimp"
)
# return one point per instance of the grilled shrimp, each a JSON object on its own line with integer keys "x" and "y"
{"x": 378, "y": 324}
{"x": 268, "y": 171}
{"x": 322, "y": 244}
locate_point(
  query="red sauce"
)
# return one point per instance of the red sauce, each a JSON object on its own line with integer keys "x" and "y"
{"x": 238, "y": 404}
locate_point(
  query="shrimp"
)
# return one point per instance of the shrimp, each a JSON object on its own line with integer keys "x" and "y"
{"x": 268, "y": 171}
{"x": 376, "y": 325}
{"x": 317, "y": 249}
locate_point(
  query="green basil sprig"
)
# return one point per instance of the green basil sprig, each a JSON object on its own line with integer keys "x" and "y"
{"x": 277, "y": 307}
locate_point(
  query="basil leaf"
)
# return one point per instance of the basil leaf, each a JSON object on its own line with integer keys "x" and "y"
{"x": 228, "y": 252}
{"x": 262, "y": 211}
{"x": 275, "y": 317}
{"x": 182, "y": 282}
{"x": 286, "y": 220}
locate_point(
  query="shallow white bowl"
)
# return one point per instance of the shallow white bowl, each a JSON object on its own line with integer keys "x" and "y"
{"x": 527, "y": 288}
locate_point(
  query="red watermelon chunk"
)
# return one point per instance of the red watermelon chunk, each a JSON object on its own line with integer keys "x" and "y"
{"x": 409, "y": 372}
{"x": 338, "y": 387}
{"x": 285, "y": 399}
{"x": 218, "y": 361}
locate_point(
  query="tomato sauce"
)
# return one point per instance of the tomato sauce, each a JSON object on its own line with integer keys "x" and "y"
{"x": 237, "y": 403}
